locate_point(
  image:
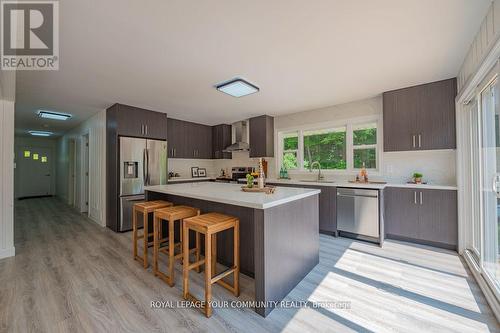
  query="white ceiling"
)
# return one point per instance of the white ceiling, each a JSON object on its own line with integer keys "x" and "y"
{"x": 168, "y": 55}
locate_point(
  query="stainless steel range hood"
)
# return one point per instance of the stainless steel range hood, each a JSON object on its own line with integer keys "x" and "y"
{"x": 240, "y": 137}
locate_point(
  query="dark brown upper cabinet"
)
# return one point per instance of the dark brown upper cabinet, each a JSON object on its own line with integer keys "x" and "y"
{"x": 128, "y": 120}
{"x": 189, "y": 140}
{"x": 262, "y": 136}
{"x": 221, "y": 139}
{"x": 420, "y": 117}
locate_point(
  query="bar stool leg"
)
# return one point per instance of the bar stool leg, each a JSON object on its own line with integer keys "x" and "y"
{"x": 134, "y": 232}
{"x": 181, "y": 223}
{"x": 208, "y": 275}
{"x": 185, "y": 262}
{"x": 236, "y": 243}
{"x": 146, "y": 238}
{"x": 171, "y": 252}
{"x": 214, "y": 254}
{"x": 156, "y": 243}
{"x": 198, "y": 247}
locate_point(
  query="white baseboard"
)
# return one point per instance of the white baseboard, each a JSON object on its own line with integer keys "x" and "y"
{"x": 485, "y": 288}
{"x": 6, "y": 253}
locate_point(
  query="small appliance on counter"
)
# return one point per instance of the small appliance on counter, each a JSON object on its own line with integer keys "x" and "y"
{"x": 173, "y": 175}
{"x": 236, "y": 173}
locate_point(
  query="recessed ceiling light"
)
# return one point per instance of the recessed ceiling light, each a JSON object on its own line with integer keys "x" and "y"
{"x": 237, "y": 87}
{"x": 40, "y": 133}
{"x": 53, "y": 115}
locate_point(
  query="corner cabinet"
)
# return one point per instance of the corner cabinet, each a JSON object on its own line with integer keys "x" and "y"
{"x": 221, "y": 139}
{"x": 136, "y": 122}
{"x": 189, "y": 140}
{"x": 425, "y": 216}
{"x": 420, "y": 117}
{"x": 262, "y": 136}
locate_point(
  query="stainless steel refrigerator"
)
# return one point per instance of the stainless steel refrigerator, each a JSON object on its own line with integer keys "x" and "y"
{"x": 143, "y": 162}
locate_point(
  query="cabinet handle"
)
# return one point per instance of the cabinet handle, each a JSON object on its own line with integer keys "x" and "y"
{"x": 415, "y": 197}
{"x": 175, "y": 152}
{"x": 420, "y": 142}
{"x": 414, "y": 143}
{"x": 146, "y": 126}
{"x": 421, "y": 198}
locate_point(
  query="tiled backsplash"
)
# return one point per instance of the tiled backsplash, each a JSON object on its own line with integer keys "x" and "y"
{"x": 437, "y": 166}
{"x": 183, "y": 166}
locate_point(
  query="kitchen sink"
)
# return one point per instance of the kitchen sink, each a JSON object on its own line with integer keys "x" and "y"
{"x": 317, "y": 181}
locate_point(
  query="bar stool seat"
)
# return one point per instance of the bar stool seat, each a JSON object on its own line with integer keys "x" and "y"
{"x": 170, "y": 215}
{"x": 210, "y": 224}
{"x": 145, "y": 208}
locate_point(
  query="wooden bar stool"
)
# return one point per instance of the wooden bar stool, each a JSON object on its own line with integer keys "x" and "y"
{"x": 145, "y": 208}
{"x": 209, "y": 225}
{"x": 170, "y": 215}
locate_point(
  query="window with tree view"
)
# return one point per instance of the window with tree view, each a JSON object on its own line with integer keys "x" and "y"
{"x": 364, "y": 139}
{"x": 328, "y": 147}
{"x": 344, "y": 147}
{"x": 290, "y": 150}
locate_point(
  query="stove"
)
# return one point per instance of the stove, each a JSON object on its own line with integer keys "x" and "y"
{"x": 236, "y": 173}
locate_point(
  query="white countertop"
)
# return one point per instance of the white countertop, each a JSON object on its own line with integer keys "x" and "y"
{"x": 232, "y": 194}
{"x": 358, "y": 185}
{"x": 180, "y": 179}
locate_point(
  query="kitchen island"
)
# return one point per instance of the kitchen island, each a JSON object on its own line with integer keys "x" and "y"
{"x": 279, "y": 239}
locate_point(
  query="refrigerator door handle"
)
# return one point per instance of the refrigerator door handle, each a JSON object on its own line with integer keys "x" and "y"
{"x": 144, "y": 172}
{"x": 148, "y": 180}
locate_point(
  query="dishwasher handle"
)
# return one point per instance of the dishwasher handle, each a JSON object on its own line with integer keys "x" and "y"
{"x": 356, "y": 195}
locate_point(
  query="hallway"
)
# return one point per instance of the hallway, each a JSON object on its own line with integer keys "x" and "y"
{"x": 72, "y": 275}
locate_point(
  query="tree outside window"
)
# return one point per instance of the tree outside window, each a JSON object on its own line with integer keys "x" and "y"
{"x": 328, "y": 147}
{"x": 342, "y": 148}
{"x": 290, "y": 150}
{"x": 364, "y": 138}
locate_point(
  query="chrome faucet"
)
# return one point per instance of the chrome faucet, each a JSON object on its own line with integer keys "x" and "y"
{"x": 320, "y": 176}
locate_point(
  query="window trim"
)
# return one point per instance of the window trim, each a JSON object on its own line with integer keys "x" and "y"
{"x": 348, "y": 124}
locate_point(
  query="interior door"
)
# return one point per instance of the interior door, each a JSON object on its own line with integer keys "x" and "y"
{"x": 34, "y": 167}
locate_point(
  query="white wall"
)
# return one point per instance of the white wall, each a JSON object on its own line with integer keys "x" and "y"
{"x": 96, "y": 128}
{"x": 7, "y": 99}
{"x": 20, "y": 143}
{"x": 438, "y": 166}
{"x": 485, "y": 40}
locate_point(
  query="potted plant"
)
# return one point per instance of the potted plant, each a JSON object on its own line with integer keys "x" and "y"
{"x": 250, "y": 181}
{"x": 417, "y": 177}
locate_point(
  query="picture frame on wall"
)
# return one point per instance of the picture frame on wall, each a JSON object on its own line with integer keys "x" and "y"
{"x": 194, "y": 172}
{"x": 202, "y": 172}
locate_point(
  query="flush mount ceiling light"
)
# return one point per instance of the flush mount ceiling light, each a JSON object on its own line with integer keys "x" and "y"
{"x": 237, "y": 87}
{"x": 53, "y": 115}
{"x": 40, "y": 133}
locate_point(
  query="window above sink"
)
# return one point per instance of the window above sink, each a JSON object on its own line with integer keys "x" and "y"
{"x": 339, "y": 147}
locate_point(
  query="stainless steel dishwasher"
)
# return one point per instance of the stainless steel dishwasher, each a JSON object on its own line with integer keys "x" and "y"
{"x": 358, "y": 213}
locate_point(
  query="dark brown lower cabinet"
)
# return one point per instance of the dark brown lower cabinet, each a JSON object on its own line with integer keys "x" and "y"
{"x": 423, "y": 216}
{"x": 327, "y": 206}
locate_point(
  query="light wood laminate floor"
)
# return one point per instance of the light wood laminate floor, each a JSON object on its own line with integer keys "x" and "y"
{"x": 72, "y": 275}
